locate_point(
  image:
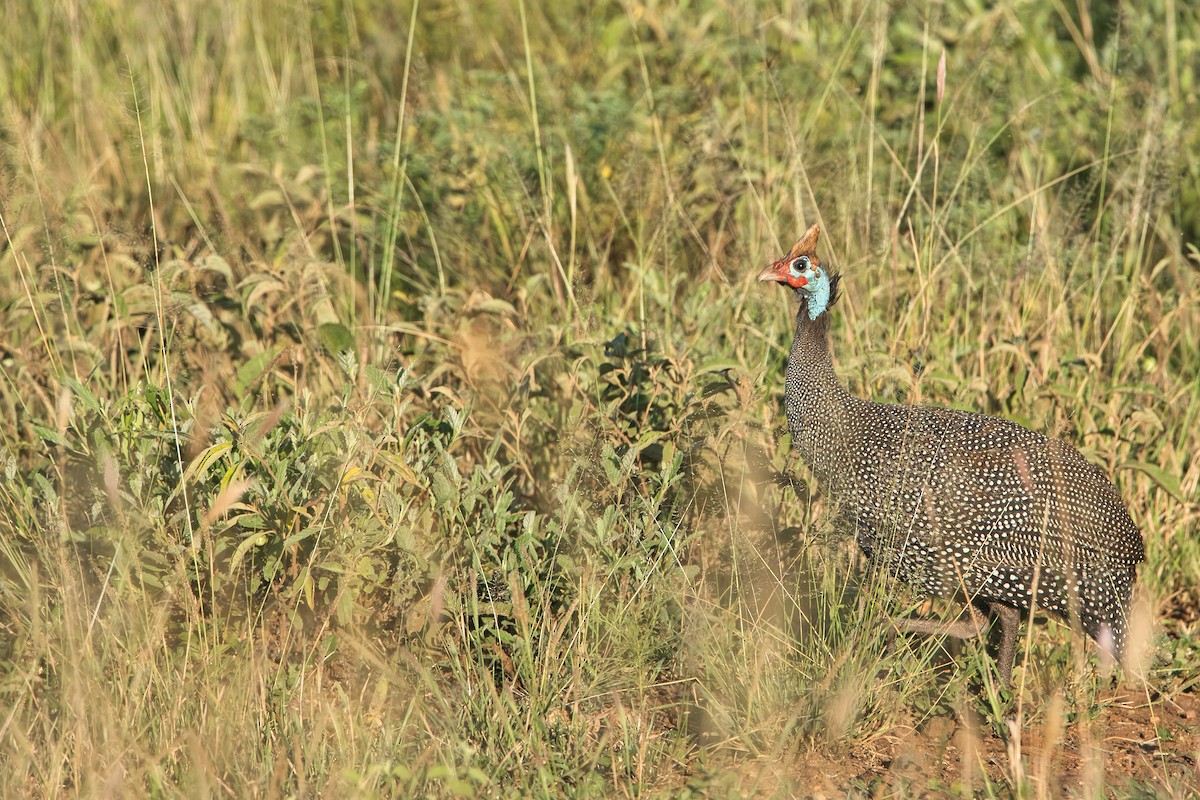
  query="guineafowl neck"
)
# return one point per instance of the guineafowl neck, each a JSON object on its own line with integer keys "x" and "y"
{"x": 817, "y": 404}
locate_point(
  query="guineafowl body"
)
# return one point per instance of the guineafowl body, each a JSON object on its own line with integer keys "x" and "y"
{"x": 955, "y": 503}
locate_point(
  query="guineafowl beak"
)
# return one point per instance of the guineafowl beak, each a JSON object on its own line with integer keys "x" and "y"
{"x": 770, "y": 272}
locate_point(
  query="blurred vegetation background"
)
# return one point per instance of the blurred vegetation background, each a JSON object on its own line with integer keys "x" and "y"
{"x": 389, "y": 410}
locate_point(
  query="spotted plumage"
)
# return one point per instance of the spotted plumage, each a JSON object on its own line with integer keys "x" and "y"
{"x": 955, "y": 503}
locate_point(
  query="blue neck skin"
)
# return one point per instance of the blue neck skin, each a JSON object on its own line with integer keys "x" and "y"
{"x": 817, "y": 292}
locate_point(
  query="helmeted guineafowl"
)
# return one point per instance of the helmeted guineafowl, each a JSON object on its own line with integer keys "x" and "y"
{"x": 955, "y": 503}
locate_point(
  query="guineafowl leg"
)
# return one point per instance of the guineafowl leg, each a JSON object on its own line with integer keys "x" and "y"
{"x": 1010, "y": 625}
{"x": 962, "y": 628}
{"x": 974, "y": 624}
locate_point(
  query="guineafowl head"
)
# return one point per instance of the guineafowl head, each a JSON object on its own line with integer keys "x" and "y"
{"x": 802, "y": 270}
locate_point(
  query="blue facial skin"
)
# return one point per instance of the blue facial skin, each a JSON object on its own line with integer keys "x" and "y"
{"x": 817, "y": 288}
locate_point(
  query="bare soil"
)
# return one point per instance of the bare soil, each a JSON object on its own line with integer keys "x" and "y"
{"x": 1136, "y": 745}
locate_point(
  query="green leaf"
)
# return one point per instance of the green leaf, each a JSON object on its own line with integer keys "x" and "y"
{"x": 460, "y": 788}
{"x": 648, "y": 438}
{"x": 214, "y": 263}
{"x": 478, "y": 775}
{"x": 611, "y": 470}
{"x": 240, "y": 553}
{"x": 84, "y": 394}
{"x": 335, "y": 337}
{"x": 253, "y": 522}
{"x": 249, "y": 372}
{"x": 203, "y": 462}
{"x": 720, "y": 365}
{"x": 379, "y": 380}
{"x": 1165, "y": 480}
{"x": 48, "y": 436}
{"x": 300, "y": 536}
{"x": 443, "y": 492}
{"x": 45, "y": 488}
{"x": 494, "y": 305}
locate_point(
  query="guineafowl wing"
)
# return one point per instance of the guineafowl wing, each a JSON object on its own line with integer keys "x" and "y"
{"x": 960, "y": 502}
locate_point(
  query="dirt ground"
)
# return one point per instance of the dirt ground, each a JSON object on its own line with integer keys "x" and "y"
{"x": 1136, "y": 745}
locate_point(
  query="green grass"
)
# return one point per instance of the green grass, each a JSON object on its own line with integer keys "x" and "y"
{"x": 389, "y": 409}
